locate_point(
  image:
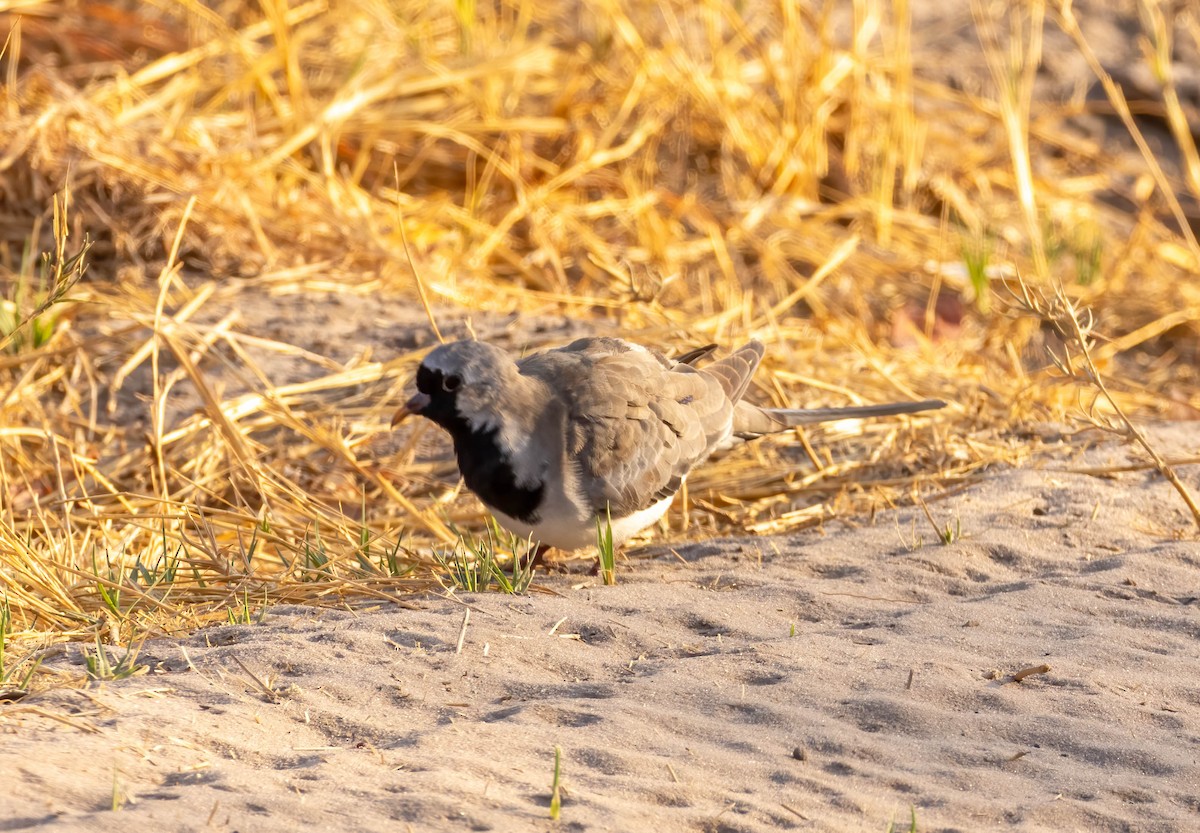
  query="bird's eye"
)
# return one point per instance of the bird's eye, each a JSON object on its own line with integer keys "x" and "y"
{"x": 450, "y": 383}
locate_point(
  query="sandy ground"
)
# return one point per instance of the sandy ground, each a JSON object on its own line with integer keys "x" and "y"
{"x": 833, "y": 680}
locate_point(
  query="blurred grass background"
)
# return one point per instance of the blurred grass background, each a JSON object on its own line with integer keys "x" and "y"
{"x": 200, "y": 421}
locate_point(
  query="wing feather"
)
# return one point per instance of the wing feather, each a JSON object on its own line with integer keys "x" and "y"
{"x": 636, "y": 423}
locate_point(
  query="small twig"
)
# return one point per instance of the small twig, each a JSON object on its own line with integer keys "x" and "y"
{"x": 462, "y": 632}
{"x": 188, "y": 660}
{"x": 947, "y": 535}
{"x": 929, "y": 515}
{"x": 1099, "y": 471}
{"x": 1164, "y": 468}
{"x": 794, "y": 812}
{"x": 1029, "y": 672}
{"x": 875, "y": 598}
{"x": 413, "y": 266}
{"x": 268, "y": 692}
{"x": 67, "y": 271}
{"x": 1074, "y": 327}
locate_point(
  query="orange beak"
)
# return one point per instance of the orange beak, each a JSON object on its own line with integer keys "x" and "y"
{"x": 418, "y": 403}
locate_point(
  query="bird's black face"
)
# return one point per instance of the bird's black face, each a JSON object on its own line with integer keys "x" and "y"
{"x": 458, "y": 386}
{"x": 437, "y": 395}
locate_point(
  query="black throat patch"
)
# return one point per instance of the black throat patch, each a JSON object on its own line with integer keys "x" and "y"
{"x": 488, "y": 473}
{"x": 486, "y": 468}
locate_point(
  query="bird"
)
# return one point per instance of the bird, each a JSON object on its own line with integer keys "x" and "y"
{"x": 602, "y": 430}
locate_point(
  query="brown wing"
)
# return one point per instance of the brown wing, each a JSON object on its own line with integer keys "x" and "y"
{"x": 636, "y": 423}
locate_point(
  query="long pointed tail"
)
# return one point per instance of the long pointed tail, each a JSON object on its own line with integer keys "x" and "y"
{"x": 750, "y": 421}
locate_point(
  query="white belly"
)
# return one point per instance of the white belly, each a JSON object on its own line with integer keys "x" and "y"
{"x": 565, "y": 530}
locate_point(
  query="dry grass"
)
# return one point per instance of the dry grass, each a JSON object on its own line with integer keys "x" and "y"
{"x": 685, "y": 172}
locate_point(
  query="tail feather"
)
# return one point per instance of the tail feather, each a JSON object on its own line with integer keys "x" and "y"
{"x": 750, "y": 421}
{"x": 693, "y": 356}
{"x": 734, "y": 371}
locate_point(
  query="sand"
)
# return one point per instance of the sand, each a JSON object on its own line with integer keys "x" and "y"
{"x": 834, "y": 679}
{"x": 830, "y": 680}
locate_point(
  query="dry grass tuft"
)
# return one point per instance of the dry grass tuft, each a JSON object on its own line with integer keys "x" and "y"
{"x": 180, "y": 435}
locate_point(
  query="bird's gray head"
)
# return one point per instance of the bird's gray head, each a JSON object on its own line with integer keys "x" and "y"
{"x": 461, "y": 382}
